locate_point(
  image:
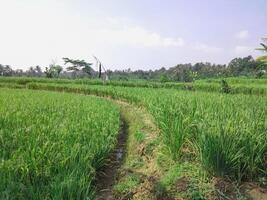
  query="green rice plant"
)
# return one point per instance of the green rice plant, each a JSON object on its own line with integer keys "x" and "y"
{"x": 174, "y": 126}
{"x": 238, "y": 85}
{"x": 51, "y": 144}
{"x": 232, "y": 141}
{"x": 238, "y": 156}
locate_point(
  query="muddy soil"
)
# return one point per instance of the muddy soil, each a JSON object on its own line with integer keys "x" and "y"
{"x": 106, "y": 177}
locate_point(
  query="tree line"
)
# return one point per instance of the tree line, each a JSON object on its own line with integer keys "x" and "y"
{"x": 246, "y": 66}
{"x": 75, "y": 68}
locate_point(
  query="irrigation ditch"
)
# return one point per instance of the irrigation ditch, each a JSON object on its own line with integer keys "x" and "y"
{"x": 106, "y": 177}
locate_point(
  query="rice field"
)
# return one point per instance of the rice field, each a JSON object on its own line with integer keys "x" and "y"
{"x": 227, "y": 132}
{"x": 223, "y": 134}
{"x": 237, "y": 85}
{"x": 51, "y": 144}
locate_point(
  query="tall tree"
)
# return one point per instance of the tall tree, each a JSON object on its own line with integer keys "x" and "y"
{"x": 38, "y": 70}
{"x": 53, "y": 71}
{"x": 5, "y": 70}
{"x": 242, "y": 66}
{"x": 30, "y": 72}
{"x": 78, "y": 65}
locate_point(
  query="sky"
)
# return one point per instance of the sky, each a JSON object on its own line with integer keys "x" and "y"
{"x": 136, "y": 34}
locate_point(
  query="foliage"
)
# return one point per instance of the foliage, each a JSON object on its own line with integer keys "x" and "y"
{"x": 164, "y": 78}
{"x": 242, "y": 66}
{"x": 261, "y": 66}
{"x": 5, "y": 70}
{"x": 34, "y": 71}
{"x": 53, "y": 71}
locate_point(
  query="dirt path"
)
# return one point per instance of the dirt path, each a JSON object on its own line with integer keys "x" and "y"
{"x": 132, "y": 157}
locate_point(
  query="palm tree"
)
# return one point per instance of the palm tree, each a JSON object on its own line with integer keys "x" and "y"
{"x": 264, "y": 45}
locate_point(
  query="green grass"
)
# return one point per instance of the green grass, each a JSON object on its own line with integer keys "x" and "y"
{"x": 51, "y": 144}
{"x": 139, "y": 136}
{"x": 126, "y": 184}
{"x": 188, "y": 179}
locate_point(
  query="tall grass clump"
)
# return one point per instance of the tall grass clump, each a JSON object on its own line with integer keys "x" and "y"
{"x": 175, "y": 122}
{"x": 173, "y": 130}
{"x": 233, "y": 137}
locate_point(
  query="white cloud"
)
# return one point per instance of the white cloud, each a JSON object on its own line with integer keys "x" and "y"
{"x": 135, "y": 36}
{"x": 113, "y": 20}
{"x": 206, "y": 48}
{"x": 173, "y": 42}
{"x": 124, "y": 32}
{"x": 242, "y": 34}
{"x": 243, "y": 50}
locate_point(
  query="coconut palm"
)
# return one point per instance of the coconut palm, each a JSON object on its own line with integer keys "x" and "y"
{"x": 264, "y": 45}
